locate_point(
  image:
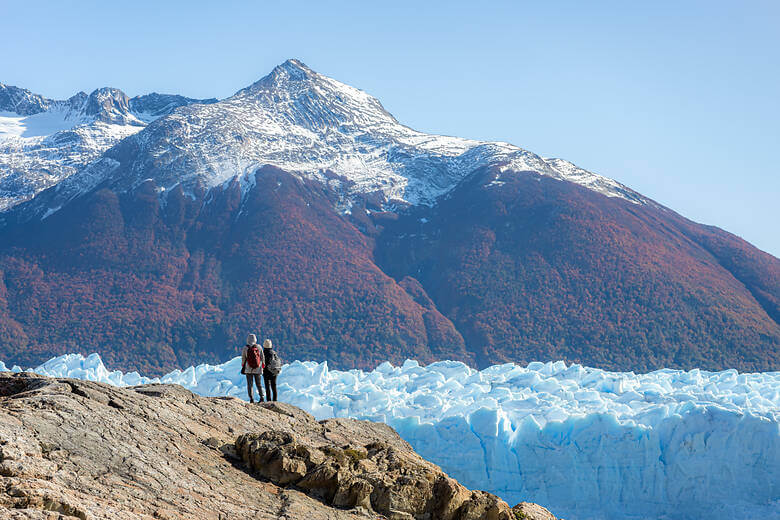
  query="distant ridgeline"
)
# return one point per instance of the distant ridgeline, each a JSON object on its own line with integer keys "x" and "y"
{"x": 159, "y": 230}
{"x": 585, "y": 442}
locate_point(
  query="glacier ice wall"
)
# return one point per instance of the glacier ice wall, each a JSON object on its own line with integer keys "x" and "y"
{"x": 584, "y": 442}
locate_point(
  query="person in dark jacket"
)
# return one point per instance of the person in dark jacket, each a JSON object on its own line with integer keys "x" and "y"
{"x": 252, "y": 373}
{"x": 273, "y": 366}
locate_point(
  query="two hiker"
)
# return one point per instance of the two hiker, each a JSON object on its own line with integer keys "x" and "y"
{"x": 256, "y": 361}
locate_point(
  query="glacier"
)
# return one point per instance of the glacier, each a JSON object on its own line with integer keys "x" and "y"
{"x": 584, "y": 442}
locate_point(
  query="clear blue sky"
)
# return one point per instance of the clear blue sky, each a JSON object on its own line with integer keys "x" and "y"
{"x": 678, "y": 100}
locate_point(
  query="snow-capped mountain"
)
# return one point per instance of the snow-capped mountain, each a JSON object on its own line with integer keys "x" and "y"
{"x": 295, "y": 119}
{"x": 301, "y": 207}
{"x": 43, "y": 141}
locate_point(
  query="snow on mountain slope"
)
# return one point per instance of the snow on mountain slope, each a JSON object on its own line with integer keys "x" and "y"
{"x": 304, "y": 122}
{"x": 589, "y": 443}
{"x": 44, "y": 141}
{"x": 570, "y": 172}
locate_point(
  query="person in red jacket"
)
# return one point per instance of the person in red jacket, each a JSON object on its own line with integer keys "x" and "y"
{"x": 252, "y": 364}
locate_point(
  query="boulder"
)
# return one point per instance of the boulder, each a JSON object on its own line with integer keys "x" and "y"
{"x": 387, "y": 478}
{"x": 531, "y": 511}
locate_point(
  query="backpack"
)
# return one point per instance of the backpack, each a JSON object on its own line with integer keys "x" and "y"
{"x": 253, "y": 358}
{"x": 273, "y": 363}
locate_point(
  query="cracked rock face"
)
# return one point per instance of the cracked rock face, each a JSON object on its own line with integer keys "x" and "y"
{"x": 369, "y": 469}
{"x": 77, "y": 449}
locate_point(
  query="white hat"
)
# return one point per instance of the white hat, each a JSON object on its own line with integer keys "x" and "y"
{"x": 267, "y": 344}
{"x": 251, "y": 339}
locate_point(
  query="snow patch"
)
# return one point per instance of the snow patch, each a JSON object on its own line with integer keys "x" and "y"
{"x": 50, "y": 212}
{"x": 37, "y": 125}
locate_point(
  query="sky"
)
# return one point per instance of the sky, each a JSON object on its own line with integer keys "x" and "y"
{"x": 678, "y": 100}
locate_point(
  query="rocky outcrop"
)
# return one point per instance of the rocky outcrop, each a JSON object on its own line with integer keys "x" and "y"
{"x": 530, "y": 511}
{"x": 77, "y": 449}
{"x": 158, "y": 105}
{"x": 365, "y": 466}
{"x": 21, "y": 101}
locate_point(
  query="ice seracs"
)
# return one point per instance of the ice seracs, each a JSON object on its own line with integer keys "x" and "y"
{"x": 590, "y": 444}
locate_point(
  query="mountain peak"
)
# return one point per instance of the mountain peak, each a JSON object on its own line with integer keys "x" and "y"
{"x": 301, "y": 121}
{"x": 21, "y": 101}
{"x": 294, "y": 92}
{"x": 290, "y": 71}
{"x": 109, "y": 105}
{"x": 293, "y": 66}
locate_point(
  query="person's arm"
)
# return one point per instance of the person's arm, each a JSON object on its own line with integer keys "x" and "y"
{"x": 243, "y": 357}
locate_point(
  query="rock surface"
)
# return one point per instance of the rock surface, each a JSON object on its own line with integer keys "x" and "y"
{"x": 71, "y": 448}
{"x": 349, "y": 465}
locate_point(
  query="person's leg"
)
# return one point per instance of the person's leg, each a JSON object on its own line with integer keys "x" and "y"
{"x": 249, "y": 388}
{"x": 259, "y": 387}
{"x": 267, "y": 379}
{"x": 273, "y": 386}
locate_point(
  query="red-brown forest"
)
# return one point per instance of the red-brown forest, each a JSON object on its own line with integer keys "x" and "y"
{"x": 533, "y": 269}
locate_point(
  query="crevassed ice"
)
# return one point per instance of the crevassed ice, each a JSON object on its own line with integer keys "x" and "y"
{"x": 584, "y": 442}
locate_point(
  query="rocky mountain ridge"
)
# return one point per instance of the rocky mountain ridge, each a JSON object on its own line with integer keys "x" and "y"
{"x": 303, "y": 122}
{"x": 101, "y": 103}
{"x": 43, "y": 141}
{"x": 70, "y": 448}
